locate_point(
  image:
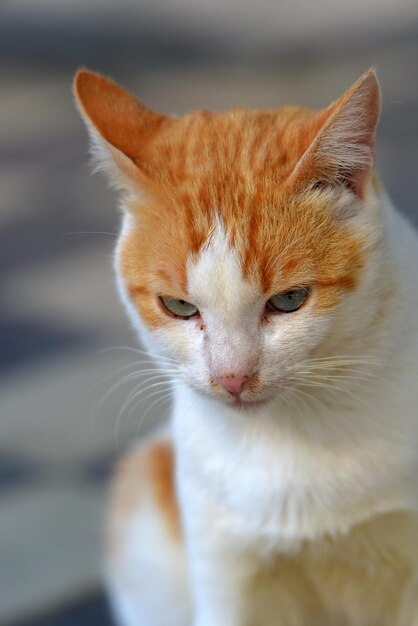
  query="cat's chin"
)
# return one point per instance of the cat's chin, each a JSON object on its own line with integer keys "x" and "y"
{"x": 248, "y": 405}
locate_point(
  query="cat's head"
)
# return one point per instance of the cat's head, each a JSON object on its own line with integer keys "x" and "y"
{"x": 248, "y": 244}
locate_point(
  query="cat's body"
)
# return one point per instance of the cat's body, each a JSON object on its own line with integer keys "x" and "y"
{"x": 293, "y": 496}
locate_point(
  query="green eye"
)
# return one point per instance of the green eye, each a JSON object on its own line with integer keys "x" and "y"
{"x": 179, "y": 308}
{"x": 289, "y": 301}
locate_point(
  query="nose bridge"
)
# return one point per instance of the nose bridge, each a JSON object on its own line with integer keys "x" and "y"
{"x": 233, "y": 349}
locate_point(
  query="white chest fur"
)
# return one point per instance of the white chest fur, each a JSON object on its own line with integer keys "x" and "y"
{"x": 276, "y": 486}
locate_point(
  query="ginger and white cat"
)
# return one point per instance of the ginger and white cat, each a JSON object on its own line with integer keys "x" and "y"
{"x": 263, "y": 264}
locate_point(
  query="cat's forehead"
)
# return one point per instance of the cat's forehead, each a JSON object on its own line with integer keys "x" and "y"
{"x": 238, "y": 143}
{"x": 221, "y": 221}
{"x": 229, "y": 262}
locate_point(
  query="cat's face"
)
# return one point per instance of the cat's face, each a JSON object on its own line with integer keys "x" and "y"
{"x": 246, "y": 234}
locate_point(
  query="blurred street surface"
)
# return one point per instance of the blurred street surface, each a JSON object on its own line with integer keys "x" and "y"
{"x": 63, "y": 334}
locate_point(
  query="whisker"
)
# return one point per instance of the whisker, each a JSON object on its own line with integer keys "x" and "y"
{"x": 334, "y": 388}
{"x": 91, "y": 232}
{"x": 127, "y": 378}
{"x": 159, "y": 402}
{"x": 345, "y": 360}
{"x": 131, "y": 398}
{"x": 351, "y": 375}
{"x": 146, "y": 353}
{"x": 295, "y": 400}
{"x": 148, "y": 412}
{"x": 152, "y": 370}
{"x": 161, "y": 397}
{"x": 309, "y": 396}
{"x": 140, "y": 389}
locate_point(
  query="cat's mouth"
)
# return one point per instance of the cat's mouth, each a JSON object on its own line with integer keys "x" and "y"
{"x": 240, "y": 403}
{"x": 252, "y": 402}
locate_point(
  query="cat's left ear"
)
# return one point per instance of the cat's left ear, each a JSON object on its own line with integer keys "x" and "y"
{"x": 119, "y": 125}
{"x": 343, "y": 145}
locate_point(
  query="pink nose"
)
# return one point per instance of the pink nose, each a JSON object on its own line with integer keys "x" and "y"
{"x": 233, "y": 384}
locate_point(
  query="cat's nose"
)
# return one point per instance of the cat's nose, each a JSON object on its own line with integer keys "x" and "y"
{"x": 233, "y": 384}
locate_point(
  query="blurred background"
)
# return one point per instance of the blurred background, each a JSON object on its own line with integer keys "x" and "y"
{"x": 63, "y": 335}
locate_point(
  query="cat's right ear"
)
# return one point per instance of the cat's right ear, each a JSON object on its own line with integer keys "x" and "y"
{"x": 119, "y": 125}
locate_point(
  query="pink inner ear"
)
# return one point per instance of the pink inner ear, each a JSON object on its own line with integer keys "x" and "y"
{"x": 359, "y": 180}
{"x": 124, "y": 163}
{"x": 342, "y": 145}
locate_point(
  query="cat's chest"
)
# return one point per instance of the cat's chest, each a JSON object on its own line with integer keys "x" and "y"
{"x": 279, "y": 493}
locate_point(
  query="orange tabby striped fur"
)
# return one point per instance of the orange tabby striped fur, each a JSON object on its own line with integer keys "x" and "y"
{"x": 241, "y": 163}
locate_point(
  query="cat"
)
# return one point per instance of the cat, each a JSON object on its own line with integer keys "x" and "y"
{"x": 268, "y": 274}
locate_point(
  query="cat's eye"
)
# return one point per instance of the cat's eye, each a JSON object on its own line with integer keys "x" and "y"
{"x": 289, "y": 301}
{"x": 179, "y": 308}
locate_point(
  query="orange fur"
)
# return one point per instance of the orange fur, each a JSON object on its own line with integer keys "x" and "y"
{"x": 149, "y": 467}
{"x": 162, "y": 478}
{"x": 251, "y": 168}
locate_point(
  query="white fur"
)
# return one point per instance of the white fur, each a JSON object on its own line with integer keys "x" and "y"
{"x": 266, "y": 481}
{"x": 230, "y": 306}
